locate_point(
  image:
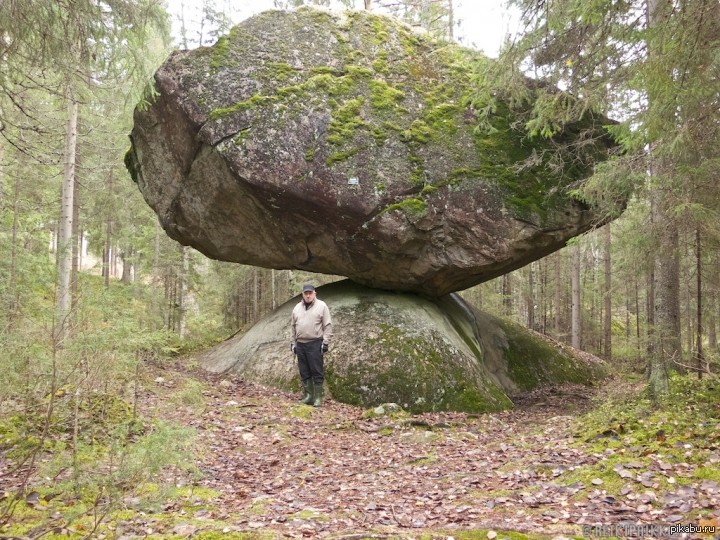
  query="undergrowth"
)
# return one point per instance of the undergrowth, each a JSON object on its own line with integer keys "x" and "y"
{"x": 688, "y": 415}
{"x": 627, "y": 429}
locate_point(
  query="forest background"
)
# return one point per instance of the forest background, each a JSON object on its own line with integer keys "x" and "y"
{"x": 92, "y": 289}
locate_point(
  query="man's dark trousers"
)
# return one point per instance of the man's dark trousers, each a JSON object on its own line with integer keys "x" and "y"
{"x": 310, "y": 361}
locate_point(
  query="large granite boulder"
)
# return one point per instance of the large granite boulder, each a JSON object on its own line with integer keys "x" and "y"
{"x": 424, "y": 354}
{"x": 348, "y": 144}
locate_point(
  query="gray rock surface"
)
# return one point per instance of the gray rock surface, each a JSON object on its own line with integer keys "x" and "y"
{"x": 347, "y": 144}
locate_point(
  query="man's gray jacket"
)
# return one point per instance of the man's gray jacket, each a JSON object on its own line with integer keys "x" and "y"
{"x": 311, "y": 323}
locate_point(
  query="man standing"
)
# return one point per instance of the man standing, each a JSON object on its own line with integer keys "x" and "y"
{"x": 311, "y": 334}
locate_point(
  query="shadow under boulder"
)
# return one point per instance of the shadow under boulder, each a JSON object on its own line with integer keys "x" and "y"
{"x": 424, "y": 354}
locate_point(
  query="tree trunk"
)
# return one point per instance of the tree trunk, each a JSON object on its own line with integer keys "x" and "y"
{"x": 699, "y": 343}
{"x": 543, "y": 281}
{"x": 507, "y": 295}
{"x": 155, "y": 272}
{"x": 127, "y": 265}
{"x": 169, "y": 297}
{"x": 638, "y": 331}
{"x": 687, "y": 301}
{"x": 76, "y": 235}
{"x": 13, "y": 297}
{"x": 590, "y": 338}
{"x": 558, "y": 293}
{"x": 712, "y": 306}
{"x": 368, "y": 5}
{"x": 113, "y": 257}
{"x": 2, "y": 179}
{"x": 66, "y": 218}
{"x": 650, "y": 314}
{"x": 627, "y": 314}
{"x": 183, "y": 291}
{"x": 451, "y": 22}
{"x": 607, "y": 294}
{"x": 666, "y": 328}
{"x": 576, "y": 319}
{"x": 107, "y": 255}
{"x": 530, "y": 298}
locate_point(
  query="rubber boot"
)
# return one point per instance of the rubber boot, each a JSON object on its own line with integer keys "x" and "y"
{"x": 308, "y": 398}
{"x": 317, "y": 395}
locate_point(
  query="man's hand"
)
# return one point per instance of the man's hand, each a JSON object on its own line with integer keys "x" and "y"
{"x": 292, "y": 348}
{"x": 325, "y": 348}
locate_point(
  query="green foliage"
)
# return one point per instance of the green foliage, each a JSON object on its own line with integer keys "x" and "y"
{"x": 653, "y": 74}
{"x": 551, "y": 112}
{"x": 610, "y": 188}
{"x": 434, "y": 17}
{"x": 135, "y": 460}
{"x": 54, "y": 40}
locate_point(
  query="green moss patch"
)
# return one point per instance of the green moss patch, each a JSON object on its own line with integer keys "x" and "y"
{"x": 255, "y": 101}
{"x": 414, "y": 206}
{"x": 383, "y": 96}
{"x": 345, "y": 122}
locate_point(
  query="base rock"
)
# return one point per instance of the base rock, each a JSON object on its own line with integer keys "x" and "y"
{"x": 423, "y": 354}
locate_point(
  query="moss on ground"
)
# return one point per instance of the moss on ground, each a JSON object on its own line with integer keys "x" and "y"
{"x": 628, "y": 431}
{"x": 304, "y": 412}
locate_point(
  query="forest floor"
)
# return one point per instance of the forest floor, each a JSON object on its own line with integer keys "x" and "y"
{"x": 269, "y": 467}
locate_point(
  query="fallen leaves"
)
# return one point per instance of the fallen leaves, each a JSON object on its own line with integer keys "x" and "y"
{"x": 306, "y": 473}
{"x": 433, "y": 471}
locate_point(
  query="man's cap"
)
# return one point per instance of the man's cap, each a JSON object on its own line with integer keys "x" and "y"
{"x": 307, "y": 288}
